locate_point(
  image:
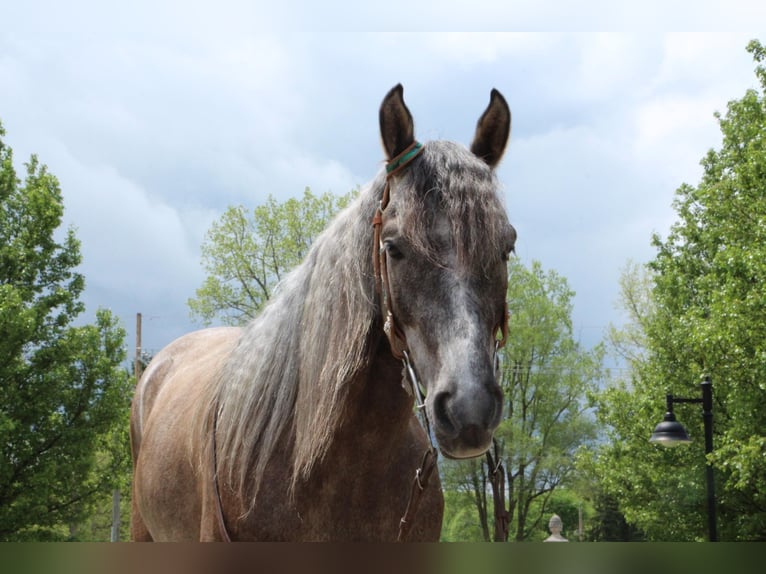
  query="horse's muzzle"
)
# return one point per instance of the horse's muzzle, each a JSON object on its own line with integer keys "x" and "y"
{"x": 464, "y": 422}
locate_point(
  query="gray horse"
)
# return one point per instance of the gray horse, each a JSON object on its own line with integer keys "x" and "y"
{"x": 299, "y": 426}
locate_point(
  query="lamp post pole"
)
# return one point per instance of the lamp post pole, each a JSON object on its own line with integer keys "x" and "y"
{"x": 670, "y": 433}
{"x": 707, "y": 419}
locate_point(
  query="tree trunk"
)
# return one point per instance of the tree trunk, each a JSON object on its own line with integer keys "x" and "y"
{"x": 496, "y": 474}
{"x": 480, "y": 497}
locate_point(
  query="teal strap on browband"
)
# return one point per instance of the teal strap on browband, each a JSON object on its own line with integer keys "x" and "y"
{"x": 404, "y": 158}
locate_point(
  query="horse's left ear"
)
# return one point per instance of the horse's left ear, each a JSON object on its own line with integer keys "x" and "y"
{"x": 396, "y": 126}
{"x": 492, "y": 130}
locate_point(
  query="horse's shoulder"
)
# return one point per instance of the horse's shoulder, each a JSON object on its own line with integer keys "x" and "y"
{"x": 190, "y": 350}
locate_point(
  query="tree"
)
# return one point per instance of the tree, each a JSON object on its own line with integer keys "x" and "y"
{"x": 464, "y": 519}
{"x": 603, "y": 519}
{"x": 609, "y": 524}
{"x": 545, "y": 378}
{"x": 708, "y": 317}
{"x": 629, "y": 342}
{"x": 246, "y": 254}
{"x": 63, "y": 394}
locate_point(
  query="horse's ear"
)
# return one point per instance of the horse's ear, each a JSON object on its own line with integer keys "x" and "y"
{"x": 396, "y": 126}
{"x": 492, "y": 130}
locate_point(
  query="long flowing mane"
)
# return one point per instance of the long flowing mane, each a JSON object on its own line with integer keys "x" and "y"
{"x": 286, "y": 382}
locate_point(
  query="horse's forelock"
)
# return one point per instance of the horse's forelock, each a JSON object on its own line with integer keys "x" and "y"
{"x": 449, "y": 180}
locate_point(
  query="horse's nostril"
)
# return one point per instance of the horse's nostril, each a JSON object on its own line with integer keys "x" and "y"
{"x": 441, "y": 412}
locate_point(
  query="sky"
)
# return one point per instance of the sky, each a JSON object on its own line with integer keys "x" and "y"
{"x": 157, "y": 116}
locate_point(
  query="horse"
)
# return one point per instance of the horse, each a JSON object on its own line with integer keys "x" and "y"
{"x": 301, "y": 425}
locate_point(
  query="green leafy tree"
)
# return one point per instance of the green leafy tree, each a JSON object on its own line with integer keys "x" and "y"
{"x": 708, "y": 317}
{"x": 609, "y": 524}
{"x": 63, "y": 394}
{"x": 245, "y": 254}
{"x": 629, "y": 341}
{"x": 545, "y": 378}
{"x": 603, "y": 519}
{"x": 462, "y": 519}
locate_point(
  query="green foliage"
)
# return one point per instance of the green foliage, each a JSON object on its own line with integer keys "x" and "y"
{"x": 545, "y": 380}
{"x": 629, "y": 341}
{"x": 708, "y": 317}
{"x": 63, "y": 396}
{"x": 460, "y": 521}
{"x": 246, "y": 254}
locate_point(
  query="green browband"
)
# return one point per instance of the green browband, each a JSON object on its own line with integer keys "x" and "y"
{"x": 405, "y": 157}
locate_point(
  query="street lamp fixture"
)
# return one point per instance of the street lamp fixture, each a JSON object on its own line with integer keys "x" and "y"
{"x": 670, "y": 433}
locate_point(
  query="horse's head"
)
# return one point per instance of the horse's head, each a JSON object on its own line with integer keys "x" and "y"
{"x": 445, "y": 241}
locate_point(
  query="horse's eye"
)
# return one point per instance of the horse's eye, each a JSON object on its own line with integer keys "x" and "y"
{"x": 393, "y": 251}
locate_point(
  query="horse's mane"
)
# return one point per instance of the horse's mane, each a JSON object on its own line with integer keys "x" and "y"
{"x": 286, "y": 382}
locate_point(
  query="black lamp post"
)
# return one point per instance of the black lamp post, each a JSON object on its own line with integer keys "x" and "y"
{"x": 672, "y": 433}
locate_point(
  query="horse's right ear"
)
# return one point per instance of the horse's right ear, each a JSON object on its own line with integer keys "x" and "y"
{"x": 396, "y": 127}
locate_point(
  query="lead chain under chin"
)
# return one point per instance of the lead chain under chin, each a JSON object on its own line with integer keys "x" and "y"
{"x": 416, "y": 390}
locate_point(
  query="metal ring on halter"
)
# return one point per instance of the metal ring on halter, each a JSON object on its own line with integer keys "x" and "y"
{"x": 418, "y": 472}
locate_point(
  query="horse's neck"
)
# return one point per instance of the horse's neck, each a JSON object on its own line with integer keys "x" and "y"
{"x": 378, "y": 408}
{"x": 367, "y": 471}
{"x": 383, "y": 390}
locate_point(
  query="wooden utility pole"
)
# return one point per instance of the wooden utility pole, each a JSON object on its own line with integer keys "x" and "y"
{"x": 138, "y": 370}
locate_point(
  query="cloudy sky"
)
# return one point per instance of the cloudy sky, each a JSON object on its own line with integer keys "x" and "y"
{"x": 156, "y": 116}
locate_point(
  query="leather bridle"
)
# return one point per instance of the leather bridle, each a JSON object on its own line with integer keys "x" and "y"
{"x": 398, "y": 341}
{"x": 396, "y": 337}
